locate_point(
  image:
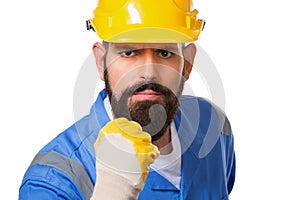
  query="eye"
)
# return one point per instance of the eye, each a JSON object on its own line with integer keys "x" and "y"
{"x": 164, "y": 54}
{"x": 127, "y": 53}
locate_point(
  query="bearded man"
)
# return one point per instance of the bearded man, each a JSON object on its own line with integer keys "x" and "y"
{"x": 143, "y": 139}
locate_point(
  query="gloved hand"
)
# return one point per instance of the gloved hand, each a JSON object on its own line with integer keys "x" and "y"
{"x": 123, "y": 156}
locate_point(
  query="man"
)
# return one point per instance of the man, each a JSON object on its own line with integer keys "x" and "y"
{"x": 142, "y": 138}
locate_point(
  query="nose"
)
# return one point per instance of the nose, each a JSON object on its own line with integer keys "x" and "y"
{"x": 149, "y": 68}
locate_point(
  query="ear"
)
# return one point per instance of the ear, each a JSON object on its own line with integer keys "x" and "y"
{"x": 99, "y": 53}
{"x": 189, "y": 56}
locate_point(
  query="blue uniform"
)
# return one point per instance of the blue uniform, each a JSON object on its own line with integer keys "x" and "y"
{"x": 65, "y": 168}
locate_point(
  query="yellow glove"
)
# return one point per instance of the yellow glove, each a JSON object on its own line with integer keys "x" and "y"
{"x": 123, "y": 156}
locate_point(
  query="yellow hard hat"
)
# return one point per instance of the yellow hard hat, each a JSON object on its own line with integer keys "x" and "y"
{"x": 147, "y": 21}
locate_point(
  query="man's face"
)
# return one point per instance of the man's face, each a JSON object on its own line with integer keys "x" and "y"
{"x": 144, "y": 83}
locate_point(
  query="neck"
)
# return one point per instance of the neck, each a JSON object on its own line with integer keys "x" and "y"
{"x": 164, "y": 143}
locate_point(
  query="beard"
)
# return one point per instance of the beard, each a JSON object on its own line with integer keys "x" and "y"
{"x": 154, "y": 116}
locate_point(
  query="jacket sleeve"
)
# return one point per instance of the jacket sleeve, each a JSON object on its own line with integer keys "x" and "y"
{"x": 230, "y": 154}
{"x": 228, "y": 139}
{"x": 40, "y": 190}
{"x": 43, "y": 182}
{"x": 230, "y": 162}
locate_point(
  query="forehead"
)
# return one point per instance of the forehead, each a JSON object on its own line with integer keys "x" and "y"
{"x": 167, "y": 46}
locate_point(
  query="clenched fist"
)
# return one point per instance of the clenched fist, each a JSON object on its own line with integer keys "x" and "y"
{"x": 123, "y": 155}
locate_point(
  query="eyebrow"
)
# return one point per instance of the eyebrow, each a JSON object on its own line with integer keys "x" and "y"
{"x": 124, "y": 47}
{"x": 170, "y": 48}
{"x": 127, "y": 47}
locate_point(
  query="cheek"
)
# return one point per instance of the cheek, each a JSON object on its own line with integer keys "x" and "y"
{"x": 120, "y": 78}
{"x": 171, "y": 76}
{"x": 114, "y": 77}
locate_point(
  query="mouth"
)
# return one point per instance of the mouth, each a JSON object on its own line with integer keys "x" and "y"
{"x": 146, "y": 95}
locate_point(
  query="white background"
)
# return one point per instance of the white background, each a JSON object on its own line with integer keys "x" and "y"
{"x": 254, "y": 45}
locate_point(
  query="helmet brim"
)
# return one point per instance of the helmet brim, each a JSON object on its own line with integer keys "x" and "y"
{"x": 150, "y": 35}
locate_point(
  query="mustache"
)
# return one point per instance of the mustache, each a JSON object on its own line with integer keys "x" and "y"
{"x": 150, "y": 86}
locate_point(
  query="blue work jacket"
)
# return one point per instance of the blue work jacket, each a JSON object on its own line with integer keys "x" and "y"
{"x": 65, "y": 167}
